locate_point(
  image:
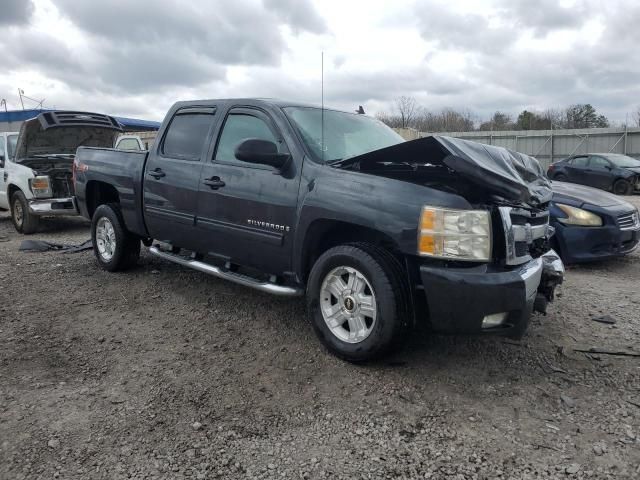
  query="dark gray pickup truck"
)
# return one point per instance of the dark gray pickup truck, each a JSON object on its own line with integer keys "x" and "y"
{"x": 291, "y": 199}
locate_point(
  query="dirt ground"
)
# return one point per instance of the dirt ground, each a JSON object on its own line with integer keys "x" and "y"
{"x": 163, "y": 372}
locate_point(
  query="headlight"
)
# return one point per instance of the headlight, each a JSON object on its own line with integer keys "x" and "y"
{"x": 455, "y": 234}
{"x": 40, "y": 186}
{"x": 578, "y": 216}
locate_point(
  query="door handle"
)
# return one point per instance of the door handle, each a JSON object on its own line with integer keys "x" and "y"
{"x": 214, "y": 182}
{"x": 156, "y": 173}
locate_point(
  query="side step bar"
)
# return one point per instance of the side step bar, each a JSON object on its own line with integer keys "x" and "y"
{"x": 226, "y": 275}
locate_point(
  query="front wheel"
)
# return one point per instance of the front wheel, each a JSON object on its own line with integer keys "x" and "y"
{"x": 114, "y": 247}
{"x": 355, "y": 302}
{"x": 622, "y": 187}
{"x": 23, "y": 220}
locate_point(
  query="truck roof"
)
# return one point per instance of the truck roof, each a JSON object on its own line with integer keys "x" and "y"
{"x": 272, "y": 102}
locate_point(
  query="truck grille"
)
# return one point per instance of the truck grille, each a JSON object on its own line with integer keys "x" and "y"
{"x": 629, "y": 221}
{"x": 524, "y": 231}
{"x": 62, "y": 185}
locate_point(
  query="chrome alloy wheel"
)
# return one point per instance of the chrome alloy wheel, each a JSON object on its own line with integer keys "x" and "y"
{"x": 18, "y": 214}
{"x": 348, "y": 304}
{"x": 105, "y": 239}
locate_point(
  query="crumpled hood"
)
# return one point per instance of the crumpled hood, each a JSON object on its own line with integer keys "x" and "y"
{"x": 581, "y": 194}
{"x": 511, "y": 175}
{"x": 61, "y": 133}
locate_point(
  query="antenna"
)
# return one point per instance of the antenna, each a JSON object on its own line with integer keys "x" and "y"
{"x": 322, "y": 105}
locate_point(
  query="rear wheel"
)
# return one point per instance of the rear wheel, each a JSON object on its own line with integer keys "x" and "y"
{"x": 560, "y": 177}
{"x": 23, "y": 220}
{"x": 355, "y": 302}
{"x": 622, "y": 187}
{"x": 114, "y": 247}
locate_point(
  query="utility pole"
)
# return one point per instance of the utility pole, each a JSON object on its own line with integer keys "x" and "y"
{"x": 20, "y": 93}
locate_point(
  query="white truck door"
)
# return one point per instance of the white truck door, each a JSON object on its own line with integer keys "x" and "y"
{"x": 4, "y": 201}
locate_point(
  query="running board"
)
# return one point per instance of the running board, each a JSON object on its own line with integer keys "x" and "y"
{"x": 226, "y": 275}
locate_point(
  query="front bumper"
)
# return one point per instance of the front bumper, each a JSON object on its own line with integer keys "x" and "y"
{"x": 53, "y": 206}
{"x": 586, "y": 244}
{"x": 459, "y": 300}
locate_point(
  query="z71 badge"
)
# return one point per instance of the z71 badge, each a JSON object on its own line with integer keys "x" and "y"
{"x": 271, "y": 226}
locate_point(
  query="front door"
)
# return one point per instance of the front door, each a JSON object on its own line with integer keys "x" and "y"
{"x": 172, "y": 177}
{"x": 246, "y": 212}
{"x": 599, "y": 172}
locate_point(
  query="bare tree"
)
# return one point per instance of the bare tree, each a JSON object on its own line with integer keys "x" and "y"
{"x": 407, "y": 108}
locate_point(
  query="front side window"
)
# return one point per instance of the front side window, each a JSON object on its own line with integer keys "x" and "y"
{"x": 128, "y": 144}
{"x": 2, "y": 147}
{"x": 599, "y": 162}
{"x": 186, "y": 136}
{"x": 237, "y": 128}
{"x": 11, "y": 144}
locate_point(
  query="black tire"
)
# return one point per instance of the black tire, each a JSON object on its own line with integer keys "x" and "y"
{"x": 23, "y": 220}
{"x": 560, "y": 177}
{"x": 386, "y": 282}
{"x": 622, "y": 187}
{"x": 124, "y": 252}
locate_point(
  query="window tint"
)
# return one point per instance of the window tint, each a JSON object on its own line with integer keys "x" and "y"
{"x": 237, "y": 128}
{"x": 599, "y": 162}
{"x": 579, "y": 161}
{"x": 128, "y": 144}
{"x": 186, "y": 135}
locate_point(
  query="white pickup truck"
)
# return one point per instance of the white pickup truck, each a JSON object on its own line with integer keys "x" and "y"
{"x": 7, "y": 150}
{"x": 36, "y": 173}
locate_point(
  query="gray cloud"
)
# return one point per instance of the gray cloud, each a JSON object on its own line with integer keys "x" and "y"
{"x": 15, "y": 12}
{"x": 544, "y": 16}
{"x": 300, "y": 15}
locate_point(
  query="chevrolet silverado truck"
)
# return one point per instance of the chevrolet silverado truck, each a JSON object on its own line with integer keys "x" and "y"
{"x": 37, "y": 179}
{"x": 289, "y": 199}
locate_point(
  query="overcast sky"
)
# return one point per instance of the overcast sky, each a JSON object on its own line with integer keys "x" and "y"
{"x": 135, "y": 58}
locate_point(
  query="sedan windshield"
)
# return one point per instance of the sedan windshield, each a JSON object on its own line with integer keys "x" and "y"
{"x": 12, "y": 140}
{"x": 623, "y": 161}
{"x": 345, "y": 134}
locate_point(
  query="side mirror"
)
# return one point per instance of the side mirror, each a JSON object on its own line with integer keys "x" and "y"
{"x": 1, "y": 161}
{"x": 264, "y": 152}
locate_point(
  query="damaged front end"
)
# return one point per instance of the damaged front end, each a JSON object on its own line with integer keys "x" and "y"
{"x": 523, "y": 272}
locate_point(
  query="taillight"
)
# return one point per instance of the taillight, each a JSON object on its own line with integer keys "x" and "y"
{"x": 73, "y": 174}
{"x": 551, "y": 167}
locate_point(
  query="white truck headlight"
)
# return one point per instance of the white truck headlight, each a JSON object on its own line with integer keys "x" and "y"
{"x": 578, "y": 216}
{"x": 455, "y": 234}
{"x": 40, "y": 186}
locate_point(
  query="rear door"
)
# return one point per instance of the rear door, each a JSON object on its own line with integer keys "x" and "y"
{"x": 172, "y": 176}
{"x": 246, "y": 212}
{"x": 599, "y": 172}
{"x": 576, "y": 169}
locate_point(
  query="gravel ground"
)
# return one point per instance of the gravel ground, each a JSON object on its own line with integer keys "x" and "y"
{"x": 163, "y": 372}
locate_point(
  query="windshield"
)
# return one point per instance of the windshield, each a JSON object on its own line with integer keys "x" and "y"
{"x": 345, "y": 134}
{"x": 623, "y": 161}
{"x": 11, "y": 145}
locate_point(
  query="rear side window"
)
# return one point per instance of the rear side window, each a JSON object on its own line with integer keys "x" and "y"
{"x": 579, "y": 161}
{"x": 186, "y": 136}
{"x": 238, "y": 128}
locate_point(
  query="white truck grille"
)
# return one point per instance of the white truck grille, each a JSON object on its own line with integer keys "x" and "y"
{"x": 629, "y": 221}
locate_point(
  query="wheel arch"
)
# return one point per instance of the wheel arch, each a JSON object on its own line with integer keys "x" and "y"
{"x": 100, "y": 193}
{"x": 323, "y": 234}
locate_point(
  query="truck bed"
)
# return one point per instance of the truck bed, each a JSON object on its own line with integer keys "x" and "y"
{"x": 121, "y": 169}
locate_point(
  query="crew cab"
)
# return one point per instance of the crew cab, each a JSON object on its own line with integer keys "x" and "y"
{"x": 292, "y": 199}
{"x": 37, "y": 179}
